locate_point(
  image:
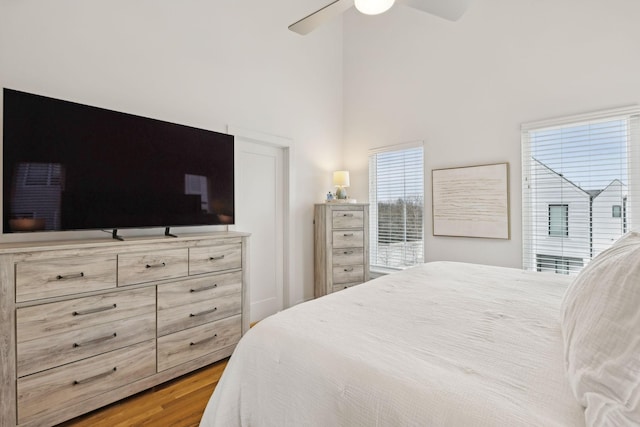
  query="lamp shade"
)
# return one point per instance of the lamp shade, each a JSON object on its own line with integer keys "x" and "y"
{"x": 373, "y": 7}
{"x": 341, "y": 178}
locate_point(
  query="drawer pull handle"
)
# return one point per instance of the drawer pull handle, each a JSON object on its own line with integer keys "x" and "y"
{"x": 70, "y": 276}
{"x": 215, "y": 258}
{"x": 204, "y": 340}
{"x": 96, "y": 341}
{"x": 348, "y": 269}
{"x": 202, "y": 313}
{"x": 205, "y": 288}
{"x": 348, "y": 234}
{"x": 162, "y": 264}
{"x": 347, "y": 214}
{"x": 95, "y": 377}
{"x": 348, "y": 252}
{"x": 94, "y": 310}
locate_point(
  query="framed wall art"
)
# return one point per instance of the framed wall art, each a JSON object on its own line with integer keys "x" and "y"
{"x": 471, "y": 201}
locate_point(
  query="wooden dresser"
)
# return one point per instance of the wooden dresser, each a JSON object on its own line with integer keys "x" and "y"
{"x": 341, "y": 246}
{"x": 86, "y": 323}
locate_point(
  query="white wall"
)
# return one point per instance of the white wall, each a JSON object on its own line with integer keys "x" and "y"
{"x": 466, "y": 87}
{"x": 195, "y": 62}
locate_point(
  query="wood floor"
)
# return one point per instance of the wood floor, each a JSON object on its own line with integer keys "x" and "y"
{"x": 177, "y": 403}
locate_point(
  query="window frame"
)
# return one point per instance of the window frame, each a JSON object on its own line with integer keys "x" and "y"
{"x": 617, "y": 214}
{"x": 532, "y": 234}
{"x": 564, "y": 227}
{"x": 375, "y": 265}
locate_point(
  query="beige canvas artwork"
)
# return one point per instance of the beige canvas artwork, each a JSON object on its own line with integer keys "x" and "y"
{"x": 471, "y": 201}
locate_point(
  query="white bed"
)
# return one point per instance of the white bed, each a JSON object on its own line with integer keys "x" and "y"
{"x": 440, "y": 344}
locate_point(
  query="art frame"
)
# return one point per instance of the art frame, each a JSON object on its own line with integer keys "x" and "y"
{"x": 471, "y": 201}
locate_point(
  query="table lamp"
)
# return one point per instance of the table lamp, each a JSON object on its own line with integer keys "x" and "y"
{"x": 341, "y": 180}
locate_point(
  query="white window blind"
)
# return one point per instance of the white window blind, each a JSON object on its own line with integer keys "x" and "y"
{"x": 576, "y": 171}
{"x": 396, "y": 203}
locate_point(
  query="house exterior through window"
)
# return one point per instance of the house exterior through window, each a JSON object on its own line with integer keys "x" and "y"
{"x": 580, "y": 179}
{"x": 558, "y": 220}
{"x": 616, "y": 211}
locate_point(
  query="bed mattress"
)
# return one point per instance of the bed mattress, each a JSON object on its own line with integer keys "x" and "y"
{"x": 439, "y": 344}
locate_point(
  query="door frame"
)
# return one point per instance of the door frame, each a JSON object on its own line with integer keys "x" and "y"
{"x": 286, "y": 145}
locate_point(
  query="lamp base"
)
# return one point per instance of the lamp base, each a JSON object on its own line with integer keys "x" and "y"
{"x": 341, "y": 193}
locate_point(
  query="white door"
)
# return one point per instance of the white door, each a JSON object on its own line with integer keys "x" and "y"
{"x": 260, "y": 211}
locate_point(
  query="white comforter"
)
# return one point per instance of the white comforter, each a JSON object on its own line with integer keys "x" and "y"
{"x": 441, "y": 344}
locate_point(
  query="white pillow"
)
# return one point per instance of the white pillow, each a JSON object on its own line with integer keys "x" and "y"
{"x": 600, "y": 320}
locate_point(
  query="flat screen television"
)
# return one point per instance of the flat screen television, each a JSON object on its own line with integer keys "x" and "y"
{"x": 68, "y": 166}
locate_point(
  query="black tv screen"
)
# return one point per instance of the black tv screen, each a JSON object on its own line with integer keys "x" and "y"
{"x": 68, "y": 166}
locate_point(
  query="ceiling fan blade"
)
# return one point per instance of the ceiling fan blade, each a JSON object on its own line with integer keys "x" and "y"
{"x": 319, "y": 17}
{"x": 451, "y": 10}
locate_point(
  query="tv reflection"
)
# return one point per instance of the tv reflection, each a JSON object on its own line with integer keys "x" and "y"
{"x": 198, "y": 185}
{"x": 36, "y": 196}
{"x": 39, "y": 202}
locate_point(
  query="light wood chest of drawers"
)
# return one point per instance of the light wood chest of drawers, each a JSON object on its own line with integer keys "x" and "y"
{"x": 83, "y": 324}
{"x": 341, "y": 246}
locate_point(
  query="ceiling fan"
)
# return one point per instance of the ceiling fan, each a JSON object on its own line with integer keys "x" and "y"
{"x": 451, "y": 10}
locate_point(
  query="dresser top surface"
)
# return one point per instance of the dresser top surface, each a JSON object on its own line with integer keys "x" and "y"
{"x": 19, "y": 247}
{"x": 341, "y": 204}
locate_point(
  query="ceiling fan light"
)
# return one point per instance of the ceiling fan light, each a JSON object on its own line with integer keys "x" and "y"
{"x": 373, "y": 7}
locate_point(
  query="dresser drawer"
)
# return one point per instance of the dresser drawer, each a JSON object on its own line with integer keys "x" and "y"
{"x": 348, "y": 239}
{"x": 209, "y": 259}
{"x": 147, "y": 267}
{"x": 197, "y": 301}
{"x": 82, "y": 380}
{"x": 189, "y": 291}
{"x": 176, "y": 318}
{"x": 66, "y": 316}
{"x": 348, "y": 273}
{"x": 53, "y": 334}
{"x": 196, "y": 342}
{"x": 60, "y": 349}
{"x": 64, "y": 276}
{"x": 347, "y": 219}
{"x": 347, "y": 256}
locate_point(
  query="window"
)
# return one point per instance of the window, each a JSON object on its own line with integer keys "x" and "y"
{"x": 558, "y": 264}
{"x": 558, "y": 220}
{"x": 616, "y": 211}
{"x": 589, "y": 163}
{"x": 41, "y": 174}
{"x": 396, "y": 197}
